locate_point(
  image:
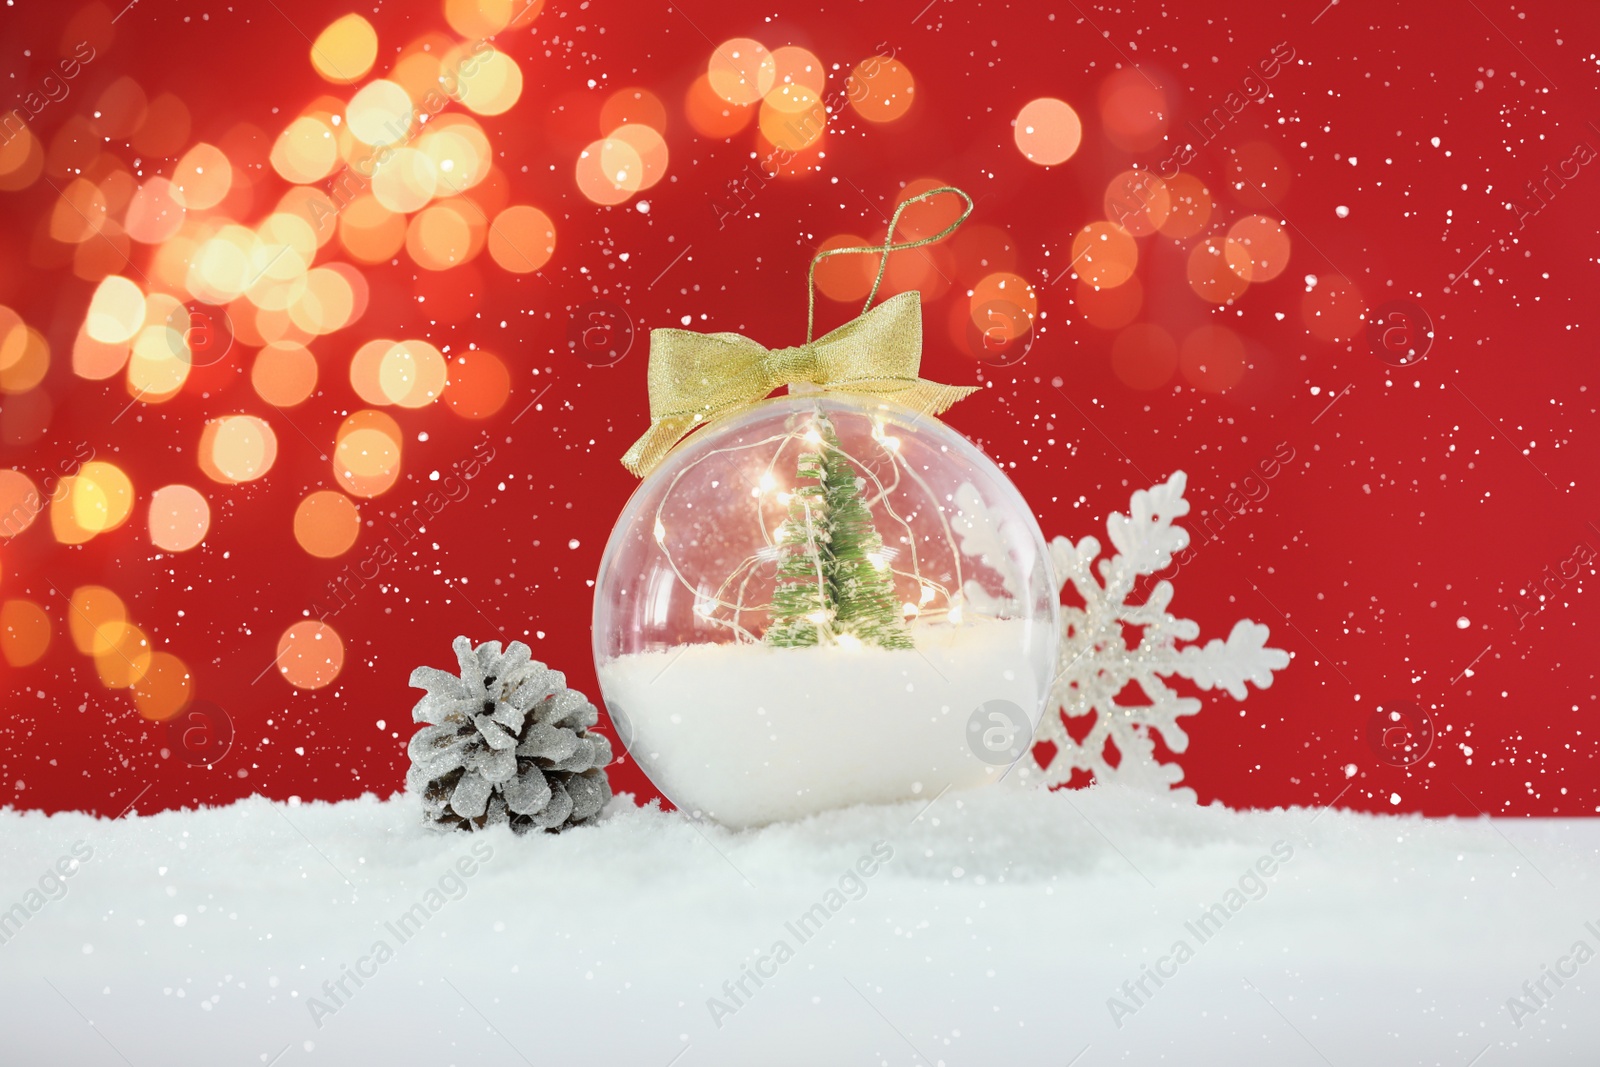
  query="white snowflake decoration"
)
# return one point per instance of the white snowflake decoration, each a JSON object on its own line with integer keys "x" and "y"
{"x": 1096, "y": 664}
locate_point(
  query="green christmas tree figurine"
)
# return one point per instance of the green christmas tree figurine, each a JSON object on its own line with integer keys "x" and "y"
{"x": 828, "y": 584}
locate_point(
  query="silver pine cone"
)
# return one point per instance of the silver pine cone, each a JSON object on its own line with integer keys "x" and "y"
{"x": 506, "y": 743}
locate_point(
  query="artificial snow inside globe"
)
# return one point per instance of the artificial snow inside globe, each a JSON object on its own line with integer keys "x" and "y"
{"x": 824, "y": 599}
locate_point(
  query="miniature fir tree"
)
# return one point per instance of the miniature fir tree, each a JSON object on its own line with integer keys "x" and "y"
{"x": 832, "y": 581}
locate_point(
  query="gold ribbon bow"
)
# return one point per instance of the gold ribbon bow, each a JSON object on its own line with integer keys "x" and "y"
{"x": 698, "y": 378}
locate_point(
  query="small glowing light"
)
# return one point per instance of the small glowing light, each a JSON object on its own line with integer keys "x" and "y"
{"x": 877, "y": 560}
{"x": 1047, "y": 131}
{"x": 165, "y": 688}
{"x": 813, "y": 437}
{"x": 818, "y": 617}
{"x": 891, "y": 442}
{"x": 326, "y": 523}
{"x": 380, "y": 113}
{"x": 784, "y": 498}
{"x": 850, "y": 641}
{"x": 661, "y": 532}
{"x": 767, "y": 482}
{"x": 1105, "y": 254}
{"x": 955, "y": 615}
{"x": 741, "y": 70}
{"x": 202, "y": 178}
{"x": 910, "y": 610}
{"x": 97, "y": 612}
{"x": 345, "y": 50}
{"x": 881, "y": 90}
{"x": 236, "y": 448}
{"x": 179, "y": 517}
{"x": 116, "y": 311}
{"x": 522, "y": 239}
{"x": 24, "y": 632}
{"x": 927, "y": 593}
{"x": 310, "y": 654}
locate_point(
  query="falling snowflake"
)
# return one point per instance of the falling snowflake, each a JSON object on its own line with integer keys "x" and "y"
{"x": 1096, "y": 663}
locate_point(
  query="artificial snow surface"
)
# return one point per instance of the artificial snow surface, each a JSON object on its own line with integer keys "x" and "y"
{"x": 747, "y": 734}
{"x": 997, "y": 931}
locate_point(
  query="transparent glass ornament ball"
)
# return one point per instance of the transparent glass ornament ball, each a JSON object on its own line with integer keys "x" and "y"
{"x": 729, "y": 725}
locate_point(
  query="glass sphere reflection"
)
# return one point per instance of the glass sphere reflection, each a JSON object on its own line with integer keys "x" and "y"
{"x": 918, "y": 658}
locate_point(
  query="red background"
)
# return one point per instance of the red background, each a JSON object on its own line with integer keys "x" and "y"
{"x": 1422, "y": 496}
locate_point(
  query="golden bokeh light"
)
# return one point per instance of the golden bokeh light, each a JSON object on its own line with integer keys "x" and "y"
{"x": 366, "y": 461}
{"x": 165, "y": 688}
{"x": 158, "y": 364}
{"x": 1003, "y": 296}
{"x": 202, "y": 177}
{"x": 21, "y": 161}
{"x": 711, "y": 115}
{"x": 441, "y": 237}
{"x": 634, "y": 105}
{"x": 412, "y": 374}
{"x": 179, "y": 518}
{"x": 24, "y": 359}
{"x": 123, "y": 656}
{"x": 326, "y": 523}
{"x": 95, "y": 613}
{"x": 1047, "y": 131}
{"x": 364, "y": 368}
{"x": 844, "y": 278}
{"x": 284, "y": 374}
{"x": 1258, "y": 248}
{"x": 20, "y": 502}
{"x": 101, "y": 497}
{"x": 1211, "y": 274}
{"x": 485, "y": 18}
{"x": 24, "y": 632}
{"x": 116, "y": 311}
{"x": 345, "y": 50}
{"x": 460, "y": 160}
{"x": 881, "y": 90}
{"x": 1137, "y": 201}
{"x": 12, "y": 337}
{"x": 609, "y": 171}
{"x": 479, "y": 385}
{"x": 741, "y": 70}
{"x": 792, "y": 117}
{"x": 406, "y": 181}
{"x": 1104, "y": 254}
{"x": 1212, "y": 359}
{"x": 799, "y": 66}
{"x": 488, "y": 87}
{"x": 649, "y": 148}
{"x": 237, "y": 448}
{"x": 1144, "y": 356}
{"x": 155, "y": 214}
{"x": 305, "y": 151}
{"x": 325, "y": 303}
{"x": 79, "y": 213}
{"x": 310, "y": 654}
{"x": 94, "y": 359}
{"x": 380, "y": 113}
{"x": 370, "y": 232}
{"x": 71, "y": 498}
{"x": 522, "y": 239}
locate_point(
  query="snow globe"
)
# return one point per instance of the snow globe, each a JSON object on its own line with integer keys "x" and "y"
{"x": 824, "y": 599}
